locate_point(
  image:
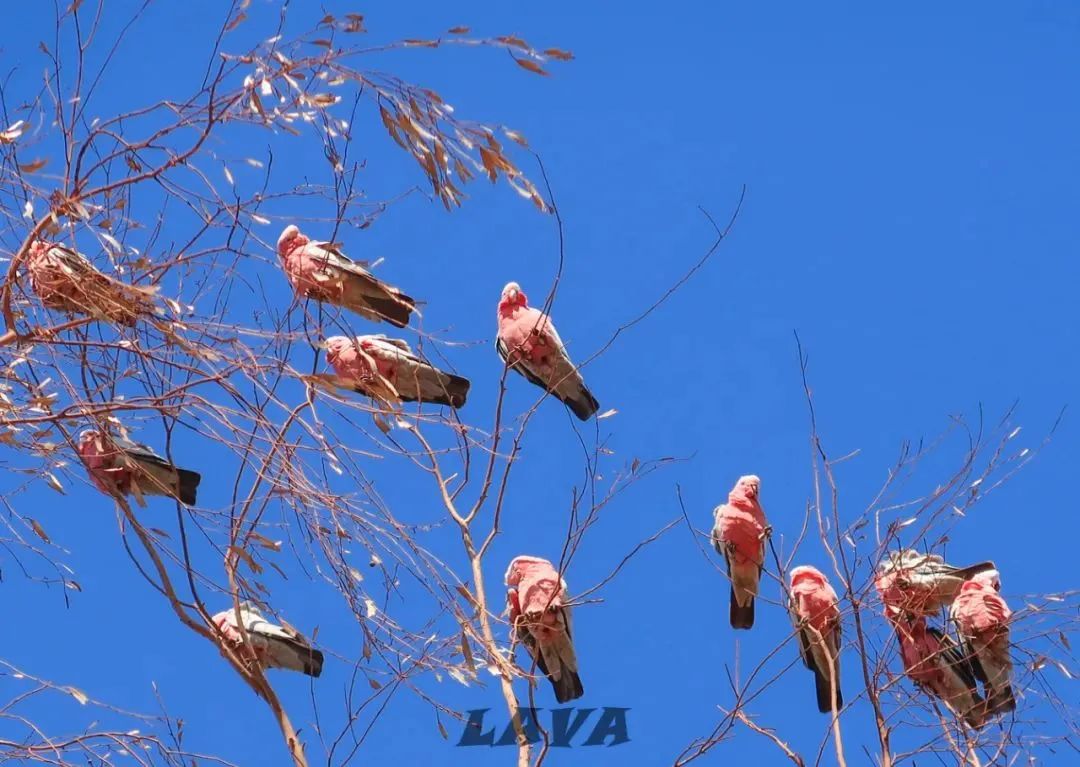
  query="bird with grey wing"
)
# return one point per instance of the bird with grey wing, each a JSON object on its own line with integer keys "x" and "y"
{"x": 120, "y": 467}
{"x": 920, "y": 584}
{"x": 271, "y": 645}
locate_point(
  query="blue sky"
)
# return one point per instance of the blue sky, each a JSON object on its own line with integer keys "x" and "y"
{"x": 912, "y": 177}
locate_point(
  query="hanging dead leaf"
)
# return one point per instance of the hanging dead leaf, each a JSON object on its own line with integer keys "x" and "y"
{"x": 39, "y": 530}
{"x": 13, "y": 132}
{"x": 561, "y": 55}
{"x": 516, "y": 137}
{"x": 240, "y": 17}
{"x": 78, "y": 695}
{"x": 35, "y": 166}
{"x": 532, "y": 66}
{"x": 458, "y": 31}
{"x": 467, "y": 653}
{"x": 513, "y": 40}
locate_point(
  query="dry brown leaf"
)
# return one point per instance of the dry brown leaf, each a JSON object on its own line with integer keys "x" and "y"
{"x": 515, "y": 41}
{"x": 240, "y": 17}
{"x": 516, "y": 137}
{"x": 39, "y": 530}
{"x": 532, "y": 66}
{"x": 561, "y": 55}
{"x": 35, "y": 166}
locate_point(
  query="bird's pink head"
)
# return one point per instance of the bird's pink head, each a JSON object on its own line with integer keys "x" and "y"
{"x": 88, "y": 437}
{"x": 512, "y": 296}
{"x": 38, "y": 248}
{"x": 519, "y": 566}
{"x": 807, "y": 574}
{"x": 747, "y": 488}
{"x": 290, "y": 239}
{"x": 989, "y": 578}
{"x": 335, "y": 346}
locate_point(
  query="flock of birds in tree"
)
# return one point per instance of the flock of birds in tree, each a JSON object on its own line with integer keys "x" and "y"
{"x": 913, "y": 587}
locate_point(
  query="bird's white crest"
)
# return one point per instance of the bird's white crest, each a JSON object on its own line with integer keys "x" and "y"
{"x": 991, "y": 578}
{"x": 511, "y": 287}
{"x": 524, "y": 559}
{"x": 88, "y": 434}
{"x": 287, "y": 233}
{"x": 806, "y": 571}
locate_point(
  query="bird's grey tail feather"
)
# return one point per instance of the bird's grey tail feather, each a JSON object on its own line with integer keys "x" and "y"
{"x": 824, "y": 691}
{"x": 568, "y": 686}
{"x": 396, "y": 312}
{"x": 457, "y": 389}
{"x": 313, "y": 663}
{"x": 188, "y": 483}
{"x": 1002, "y": 700}
{"x": 583, "y": 404}
{"x": 970, "y": 570}
{"x": 741, "y": 617}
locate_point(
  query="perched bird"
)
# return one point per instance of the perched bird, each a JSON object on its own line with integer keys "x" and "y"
{"x": 982, "y": 621}
{"x": 319, "y": 270}
{"x": 66, "y": 280}
{"x": 529, "y": 344}
{"x": 119, "y": 467}
{"x": 816, "y": 613}
{"x": 739, "y": 533}
{"x": 364, "y": 360}
{"x": 921, "y": 584}
{"x": 934, "y": 662}
{"x": 272, "y": 646}
{"x": 542, "y": 622}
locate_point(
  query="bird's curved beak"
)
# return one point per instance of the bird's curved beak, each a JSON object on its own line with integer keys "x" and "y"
{"x": 512, "y": 295}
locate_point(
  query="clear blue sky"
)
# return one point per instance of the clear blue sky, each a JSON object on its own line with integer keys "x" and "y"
{"x": 913, "y": 179}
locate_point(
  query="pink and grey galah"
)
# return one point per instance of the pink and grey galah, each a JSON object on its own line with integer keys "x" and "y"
{"x": 936, "y": 665}
{"x": 982, "y": 617}
{"x": 320, "y": 271}
{"x": 271, "y": 646}
{"x": 529, "y": 344}
{"x": 541, "y": 621}
{"x": 65, "y": 280}
{"x": 367, "y": 363}
{"x": 921, "y": 584}
{"x": 119, "y": 467}
{"x": 739, "y": 533}
{"x": 815, "y": 611}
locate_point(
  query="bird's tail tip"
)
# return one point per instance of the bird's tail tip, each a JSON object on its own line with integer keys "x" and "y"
{"x": 741, "y": 617}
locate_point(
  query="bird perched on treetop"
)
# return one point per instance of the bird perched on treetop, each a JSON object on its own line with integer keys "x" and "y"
{"x": 982, "y": 621}
{"x": 272, "y": 646}
{"x": 541, "y": 621}
{"x": 815, "y": 611}
{"x": 119, "y": 467}
{"x": 739, "y": 533}
{"x": 65, "y": 280}
{"x": 320, "y": 271}
{"x": 358, "y": 361}
{"x": 528, "y": 343}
